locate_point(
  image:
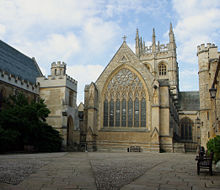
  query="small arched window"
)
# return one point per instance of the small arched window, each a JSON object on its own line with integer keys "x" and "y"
{"x": 162, "y": 69}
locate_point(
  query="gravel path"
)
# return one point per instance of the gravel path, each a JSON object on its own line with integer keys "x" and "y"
{"x": 14, "y": 171}
{"x": 104, "y": 171}
{"x": 114, "y": 172}
{"x": 15, "y": 168}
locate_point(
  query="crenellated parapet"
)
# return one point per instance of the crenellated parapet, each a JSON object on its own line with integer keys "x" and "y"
{"x": 207, "y": 53}
{"x": 18, "y": 82}
{"x": 58, "y": 64}
{"x": 205, "y": 47}
{"x": 58, "y": 81}
{"x": 70, "y": 79}
{"x": 58, "y": 68}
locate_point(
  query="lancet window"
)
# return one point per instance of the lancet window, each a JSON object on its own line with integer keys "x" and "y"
{"x": 124, "y": 102}
{"x": 186, "y": 128}
{"x": 162, "y": 69}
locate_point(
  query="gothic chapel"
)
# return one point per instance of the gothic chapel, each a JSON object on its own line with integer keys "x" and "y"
{"x": 136, "y": 104}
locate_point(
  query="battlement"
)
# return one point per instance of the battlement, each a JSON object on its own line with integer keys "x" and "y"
{"x": 71, "y": 80}
{"x": 18, "y": 82}
{"x": 54, "y": 78}
{"x": 205, "y": 47}
{"x": 57, "y": 81}
{"x": 58, "y": 64}
{"x": 58, "y": 68}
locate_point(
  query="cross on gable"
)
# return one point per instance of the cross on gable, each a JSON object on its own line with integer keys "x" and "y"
{"x": 124, "y": 38}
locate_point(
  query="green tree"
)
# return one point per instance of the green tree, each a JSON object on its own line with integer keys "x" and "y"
{"x": 213, "y": 145}
{"x": 23, "y": 123}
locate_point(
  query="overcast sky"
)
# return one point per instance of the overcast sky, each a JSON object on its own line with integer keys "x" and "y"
{"x": 86, "y": 34}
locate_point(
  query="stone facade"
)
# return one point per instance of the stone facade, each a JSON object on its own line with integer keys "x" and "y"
{"x": 59, "y": 92}
{"x": 208, "y": 60}
{"x": 135, "y": 101}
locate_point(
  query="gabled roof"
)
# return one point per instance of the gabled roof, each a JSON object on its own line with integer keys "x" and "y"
{"x": 189, "y": 101}
{"x": 124, "y": 49}
{"x": 14, "y": 62}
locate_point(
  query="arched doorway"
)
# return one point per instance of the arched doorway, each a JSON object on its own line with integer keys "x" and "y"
{"x": 70, "y": 128}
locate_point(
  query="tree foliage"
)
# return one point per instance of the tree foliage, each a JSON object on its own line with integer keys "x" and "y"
{"x": 213, "y": 145}
{"x": 23, "y": 123}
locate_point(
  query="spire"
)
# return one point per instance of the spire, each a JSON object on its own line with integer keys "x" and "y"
{"x": 137, "y": 44}
{"x": 171, "y": 34}
{"x": 153, "y": 37}
{"x": 137, "y": 34}
{"x": 153, "y": 41}
{"x": 171, "y": 28}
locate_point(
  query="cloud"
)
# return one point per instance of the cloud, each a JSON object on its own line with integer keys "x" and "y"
{"x": 54, "y": 48}
{"x": 2, "y": 30}
{"x": 115, "y": 7}
{"x": 84, "y": 74}
{"x": 99, "y": 34}
{"x": 56, "y": 12}
{"x": 188, "y": 72}
{"x": 197, "y": 22}
{"x": 189, "y": 79}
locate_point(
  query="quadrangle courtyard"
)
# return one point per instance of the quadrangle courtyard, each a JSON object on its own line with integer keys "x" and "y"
{"x": 99, "y": 170}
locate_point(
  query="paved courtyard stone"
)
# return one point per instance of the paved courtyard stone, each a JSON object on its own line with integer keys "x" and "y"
{"x": 99, "y": 170}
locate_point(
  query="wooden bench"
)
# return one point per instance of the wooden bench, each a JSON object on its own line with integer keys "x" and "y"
{"x": 204, "y": 162}
{"x": 135, "y": 149}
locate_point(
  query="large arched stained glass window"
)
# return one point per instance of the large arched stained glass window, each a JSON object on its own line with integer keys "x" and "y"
{"x": 124, "y": 101}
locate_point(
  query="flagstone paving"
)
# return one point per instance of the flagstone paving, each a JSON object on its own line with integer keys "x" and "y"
{"x": 95, "y": 170}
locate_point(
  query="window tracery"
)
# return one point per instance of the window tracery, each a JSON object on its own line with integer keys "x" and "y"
{"x": 124, "y": 101}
